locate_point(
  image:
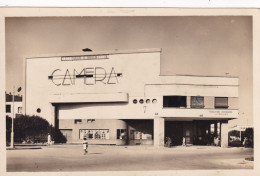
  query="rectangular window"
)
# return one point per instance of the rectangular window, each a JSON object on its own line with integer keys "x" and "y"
{"x": 8, "y": 108}
{"x": 121, "y": 134}
{"x": 134, "y": 134}
{"x": 20, "y": 110}
{"x": 77, "y": 121}
{"x": 94, "y": 134}
{"x": 221, "y": 102}
{"x": 197, "y": 102}
{"x": 174, "y": 101}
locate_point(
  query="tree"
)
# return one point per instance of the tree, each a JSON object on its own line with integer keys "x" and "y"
{"x": 249, "y": 133}
{"x": 56, "y": 135}
{"x": 31, "y": 129}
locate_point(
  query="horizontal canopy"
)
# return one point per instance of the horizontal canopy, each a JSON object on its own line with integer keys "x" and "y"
{"x": 88, "y": 98}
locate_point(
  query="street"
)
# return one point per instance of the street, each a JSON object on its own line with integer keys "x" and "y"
{"x": 126, "y": 158}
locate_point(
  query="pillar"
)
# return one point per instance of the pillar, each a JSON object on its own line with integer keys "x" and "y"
{"x": 215, "y": 129}
{"x": 52, "y": 122}
{"x": 158, "y": 132}
{"x": 224, "y": 134}
{"x": 188, "y": 101}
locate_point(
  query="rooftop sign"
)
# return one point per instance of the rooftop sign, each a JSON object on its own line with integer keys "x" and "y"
{"x": 84, "y": 57}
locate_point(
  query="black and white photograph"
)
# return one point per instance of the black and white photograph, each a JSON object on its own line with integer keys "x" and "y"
{"x": 129, "y": 90}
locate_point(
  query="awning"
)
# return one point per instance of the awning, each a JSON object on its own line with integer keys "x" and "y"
{"x": 89, "y": 98}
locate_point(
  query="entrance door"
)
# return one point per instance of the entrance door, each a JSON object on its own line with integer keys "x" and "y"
{"x": 174, "y": 130}
{"x": 188, "y": 136}
{"x": 187, "y": 132}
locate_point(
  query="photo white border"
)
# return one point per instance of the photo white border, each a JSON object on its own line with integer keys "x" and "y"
{"x": 74, "y": 12}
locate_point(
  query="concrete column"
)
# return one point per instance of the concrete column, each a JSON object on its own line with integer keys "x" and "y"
{"x": 224, "y": 134}
{"x": 215, "y": 129}
{"x": 188, "y": 101}
{"x": 158, "y": 132}
{"x": 52, "y": 122}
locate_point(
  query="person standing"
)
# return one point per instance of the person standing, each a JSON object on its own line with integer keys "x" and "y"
{"x": 183, "y": 141}
{"x": 49, "y": 139}
{"x": 169, "y": 142}
{"x": 85, "y": 145}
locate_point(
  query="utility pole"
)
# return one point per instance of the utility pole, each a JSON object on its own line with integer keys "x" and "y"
{"x": 12, "y": 132}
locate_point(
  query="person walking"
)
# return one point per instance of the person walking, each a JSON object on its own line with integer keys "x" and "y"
{"x": 85, "y": 145}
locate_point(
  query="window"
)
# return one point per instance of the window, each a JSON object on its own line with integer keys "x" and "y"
{"x": 135, "y": 101}
{"x": 197, "y": 102}
{"x": 90, "y": 120}
{"x": 77, "y": 121}
{"x": 94, "y": 134}
{"x": 38, "y": 110}
{"x": 121, "y": 134}
{"x": 134, "y": 134}
{"x": 141, "y": 101}
{"x": 8, "y": 108}
{"x": 221, "y": 102}
{"x": 154, "y": 101}
{"x": 147, "y": 101}
{"x": 20, "y": 110}
{"x": 174, "y": 101}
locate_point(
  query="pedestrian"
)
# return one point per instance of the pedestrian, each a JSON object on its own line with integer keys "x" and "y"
{"x": 183, "y": 141}
{"x": 85, "y": 145}
{"x": 49, "y": 139}
{"x": 218, "y": 141}
{"x": 169, "y": 142}
{"x": 215, "y": 141}
{"x": 245, "y": 142}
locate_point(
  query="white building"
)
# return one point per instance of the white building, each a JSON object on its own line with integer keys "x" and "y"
{"x": 13, "y": 108}
{"x": 119, "y": 97}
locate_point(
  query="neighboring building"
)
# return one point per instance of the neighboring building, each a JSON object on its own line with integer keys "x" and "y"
{"x": 15, "y": 106}
{"x": 241, "y": 128}
{"x": 119, "y": 97}
{"x": 238, "y": 132}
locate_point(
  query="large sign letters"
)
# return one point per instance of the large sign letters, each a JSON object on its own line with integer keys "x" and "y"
{"x": 89, "y": 76}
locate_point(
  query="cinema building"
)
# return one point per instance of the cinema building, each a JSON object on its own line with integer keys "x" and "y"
{"x": 120, "y": 98}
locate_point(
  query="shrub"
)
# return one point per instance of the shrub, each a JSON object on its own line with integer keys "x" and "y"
{"x": 249, "y": 133}
{"x": 32, "y": 129}
{"x": 56, "y": 135}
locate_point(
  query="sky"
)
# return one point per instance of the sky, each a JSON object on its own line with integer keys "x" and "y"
{"x": 191, "y": 45}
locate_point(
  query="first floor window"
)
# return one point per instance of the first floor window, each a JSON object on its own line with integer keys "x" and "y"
{"x": 174, "y": 101}
{"x": 77, "y": 121}
{"x": 221, "y": 102}
{"x": 94, "y": 134}
{"x": 8, "y": 108}
{"x": 197, "y": 102}
{"x": 20, "y": 110}
{"x": 134, "y": 134}
{"x": 121, "y": 134}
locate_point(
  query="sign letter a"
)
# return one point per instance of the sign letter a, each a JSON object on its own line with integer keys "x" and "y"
{"x": 112, "y": 77}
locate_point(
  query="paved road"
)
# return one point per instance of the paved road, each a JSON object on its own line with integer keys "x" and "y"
{"x": 131, "y": 158}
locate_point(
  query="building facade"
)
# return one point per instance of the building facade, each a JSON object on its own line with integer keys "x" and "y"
{"x": 13, "y": 108}
{"x": 120, "y": 98}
